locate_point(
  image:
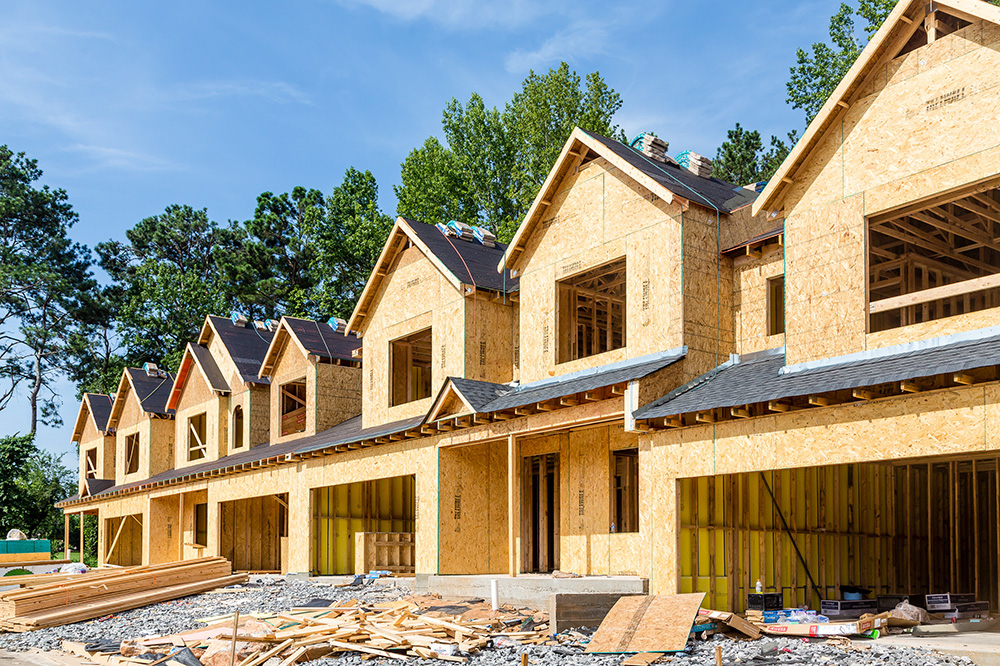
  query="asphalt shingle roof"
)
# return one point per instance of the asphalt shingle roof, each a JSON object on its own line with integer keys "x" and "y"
{"x": 727, "y": 197}
{"x": 153, "y": 392}
{"x": 488, "y": 397}
{"x": 100, "y": 409}
{"x": 321, "y": 339}
{"x": 470, "y": 261}
{"x": 247, "y": 346}
{"x": 761, "y": 379}
{"x": 212, "y": 373}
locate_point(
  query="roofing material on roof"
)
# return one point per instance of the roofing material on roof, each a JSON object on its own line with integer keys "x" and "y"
{"x": 761, "y": 379}
{"x": 710, "y": 192}
{"x": 322, "y": 340}
{"x": 246, "y": 344}
{"x": 469, "y": 261}
{"x": 486, "y": 397}
{"x": 152, "y": 392}
{"x": 213, "y": 375}
{"x": 100, "y": 409}
{"x": 345, "y": 433}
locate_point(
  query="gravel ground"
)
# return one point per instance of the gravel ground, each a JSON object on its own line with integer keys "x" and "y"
{"x": 275, "y": 595}
{"x": 272, "y": 595}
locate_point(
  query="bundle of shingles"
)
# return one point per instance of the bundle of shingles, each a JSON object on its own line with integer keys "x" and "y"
{"x": 45, "y": 603}
{"x": 695, "y": 163}
{"x": 394, "y": 630}
{"x": 654, "y": 147}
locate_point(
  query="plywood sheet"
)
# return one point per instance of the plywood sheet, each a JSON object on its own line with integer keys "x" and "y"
{"x": 657, "y": 623}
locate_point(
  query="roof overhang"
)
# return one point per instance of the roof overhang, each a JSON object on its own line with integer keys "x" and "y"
{"x": 901, "y": 24}
{"x": 121, "y": 396}
{"x": 400, "y": 238}
{"x": 188, "y": 362}
{"x": 448, "y": 394}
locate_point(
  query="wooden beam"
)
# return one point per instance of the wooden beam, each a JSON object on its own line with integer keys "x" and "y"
{"x": 819, "y": 401}
{"x": 963, "y": 378}
{"x": 910, "y": 387}
{"x": 936, "y": 293}
{"x": 778, "y": 406}
{"x": 705, "y": 417}
{"x": 512, "y": 499}
{"x": 740, "y": 412}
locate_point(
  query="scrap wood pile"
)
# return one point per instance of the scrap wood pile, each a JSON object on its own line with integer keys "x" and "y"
{"x": 397, "y": 630}
{"x": 64, "y": 600}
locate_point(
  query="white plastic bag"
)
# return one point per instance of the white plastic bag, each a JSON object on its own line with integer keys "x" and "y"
{"x": 74, "y": 568}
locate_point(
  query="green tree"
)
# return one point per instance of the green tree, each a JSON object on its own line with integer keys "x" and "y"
{"x": 15, "y": 452}
{"x": 43, "y": 481}
{"x": 433, "y": 189}
{"x": 495, "y": 161}
{"x": 167, "y": 277}
{"x": 818, "y": 71}
{"x": 742, "y": 158}
{"x": 348, "y": 242}
{"x": 47, "y": 291}
{"x": 272, "y": 272}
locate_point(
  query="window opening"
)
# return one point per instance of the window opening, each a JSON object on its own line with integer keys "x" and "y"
{"x": 293, "y": 407}
{"x": 197, "y": 449}
{"x": 625, "y": 490}
{"x": 592, "y": 312}
{"x": 410, "y": 368}
{"x": 776, "y": 305}
{"x": 132, "y": 454}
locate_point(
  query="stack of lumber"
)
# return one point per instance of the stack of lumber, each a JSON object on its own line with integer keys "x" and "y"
{"x": 87, "y": 596}
{"x": 393, "y": 630}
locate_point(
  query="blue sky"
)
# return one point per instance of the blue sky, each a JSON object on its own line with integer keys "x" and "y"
{"x": 134, "y": 106}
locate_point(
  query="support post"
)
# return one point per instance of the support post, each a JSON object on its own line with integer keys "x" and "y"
{"x": 83, "y": 519}
{"x": 512, "y": 500}
{"x": 180, "y": 527}
{"x": 66, "y": 534}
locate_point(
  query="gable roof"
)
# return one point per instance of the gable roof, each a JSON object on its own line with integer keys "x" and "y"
{"x": 200, "y": 356}
{"x": 668, "y": 181}
{"x": 152, "y": 393}
{"x": 245, "y": 343}
{"x": 96, "y": 406}
{"x": 901, "y": 24}
{"x": 463, "y": 263}
{"x": 312, "y": 338}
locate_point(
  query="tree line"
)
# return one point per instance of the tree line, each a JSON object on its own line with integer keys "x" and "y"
{"x": 304, "y": 252}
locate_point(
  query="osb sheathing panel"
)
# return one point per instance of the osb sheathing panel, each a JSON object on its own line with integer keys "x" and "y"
{"x": 156, "y": 442}
{"x": 338, "y": 394}
{"x": 417, "y": 457}
{"x": 740, "y": 226}
{"x": 257, "y": 410}
{"x": 825, "y": 281}
{"x": 197, "y": 397}
{"x": 939, "y": 423}
{"x": 93, "y": 439}
{"x": 897, "y": 145}
{"x": 750, "y": 277}
{"x": 935, "y": 328}
{"x": 165, "y": 530}
{"x": 473, "y": 533}
{"x": 599, "y": 215}
{"x": 489, "y": 340}
{"x": 292, "y": 365}
{"x": 117, "y": 508}
{"x": 414, "y": 295}
{"x": 128, "y": 550}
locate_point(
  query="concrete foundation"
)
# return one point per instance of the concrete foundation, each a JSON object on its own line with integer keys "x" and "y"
{"x": 532, "y": 590}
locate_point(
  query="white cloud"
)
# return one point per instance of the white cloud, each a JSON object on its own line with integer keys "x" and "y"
{"x": 109, "y": 157}
{"x": 579, "y": 40}
{"x": 275, "y": 91}
{"x": 461, "y": 13}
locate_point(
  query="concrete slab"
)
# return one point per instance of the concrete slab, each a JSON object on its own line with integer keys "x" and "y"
{"x": 533, "y": 590}
{"x": 983, "y": 648}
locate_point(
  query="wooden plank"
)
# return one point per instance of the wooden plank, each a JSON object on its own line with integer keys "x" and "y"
{"x": 972, "y": 286}
{"x": 512, "y": 497}
{"x": 659, "y": 623}
{"x": 695, "y": 535}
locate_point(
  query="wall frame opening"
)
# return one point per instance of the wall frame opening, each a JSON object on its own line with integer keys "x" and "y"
{"x": 410, "y": 368}
{"x": 591, "y": 312}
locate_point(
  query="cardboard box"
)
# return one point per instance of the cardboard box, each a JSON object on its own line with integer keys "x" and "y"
{"x": 829, "y": 629}
{"x": 969, "y": 611}
{"x": 848, "y": 607}
{"x": 766, "y": 601}
{"x": 888, "y": 602}
{"x": 947, "y": 602}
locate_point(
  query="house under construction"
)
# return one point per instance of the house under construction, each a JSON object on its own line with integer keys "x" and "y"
{"x": 664, "y": 375}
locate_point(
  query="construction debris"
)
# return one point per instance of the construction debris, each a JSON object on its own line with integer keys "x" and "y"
{"x": 64, "y": 600}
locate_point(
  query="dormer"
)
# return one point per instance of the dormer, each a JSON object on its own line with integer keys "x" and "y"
{"x": 144, "y": 427}
{"x": 618, "y": 257}
{"x": 891, "y": 199}
{"x": 435, "y": 306}
{"x": 96, "y": 444}
{"x": 221, "y": 406}
{"x": 315, "y": 377}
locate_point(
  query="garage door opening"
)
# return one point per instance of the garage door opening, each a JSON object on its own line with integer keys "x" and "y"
{"x": 364, "y": 526}
{"x": 254, "y": 533}
{"x": 921, "y": 527}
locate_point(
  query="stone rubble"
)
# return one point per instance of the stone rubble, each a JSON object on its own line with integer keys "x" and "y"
{"x": 271, "y": 594}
